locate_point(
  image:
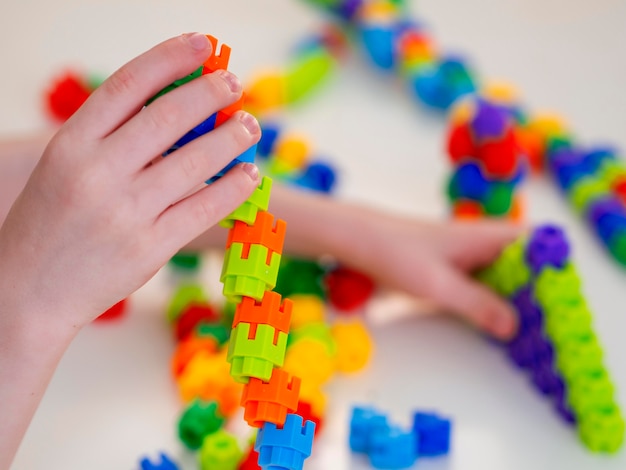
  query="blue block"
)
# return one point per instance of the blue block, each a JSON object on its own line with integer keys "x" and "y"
{"x": 246, "y": 157}
{"x": 206, "y": 126}
{"x": 470, "y": 182}
{"x": 165, "y": 464}
{"x": 318, "y": 176}
{"x": 269, "y": 134}
{"x": 285, "y": 448}
{"x": 364, "y": 423}
{"x": 393, "y": 448}
{"x": 379, "y": 42}
{"x": 432, "y": 433}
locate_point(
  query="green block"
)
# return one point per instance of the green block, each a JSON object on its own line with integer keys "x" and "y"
{"x": 249, "y": 277}
{"x": 602, "y": 430}
{"x": 611, "y": 170}
{"x": 318, "y": 331}
{"x": 452, "y": 188}
{"x": 199, "y": 419}
{"x": 513, "y": 269}
{"x": 554, "y": 285}
{"x": 259, "y": 200}
{"x": 184, "y": 295}
{"x": 579, "y": 358}
{"x": 565, "y": 322}
{"x": 617, "y": 246}
{"x": 186, "y": 261}
{"x": 214, "y": 330}
{"x": 499, "y": 199}
{"x": 255, "y": 355}
{"x": 590, "y": 392}
{"x": 585, "y": 191}
{"x": 195, "y": 74}
{"x": 558, "y": 142}
{"x": 300, "y": 276}
{"x": 307, "y": 73}
{"x": 220, "y": 450}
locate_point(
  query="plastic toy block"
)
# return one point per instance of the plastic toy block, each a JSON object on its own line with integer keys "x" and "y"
{"x": 433, "y": 433}
{"x": 292, "y": 151}
{"x": 460, "y": 143}
{"x": 199, "y": 419}
{"x": 258, "y": 200}
{"x": 489, "y": 122}
{"x": 319, "y": 331}
{"x": 248, "y": 271}
{"x": 354, "y": 346}
{"x": 590, "y": 392}
{"x": 300, "y": 276}
{"x": 207, "y": 377}
{"x": 318, "y": 176}
{"x": 270, "y": 402}
{"x": 217, "y": 331}
{"x": 306, "y": 309}
{"x": 557, "y": 285}
{"x": 225, "y": 114}
{"x": 468, "y": 182}
{"x": 499, "y": 199}
{"x": 220, "y": 450}
{"x": 217, "y": 61}
{"x": 193, "y": 315}
{"x": 116, "y": 311}
{"x": 262, "y": 232}
{"x": 364, "y": 423}
{"x": 269, "y": 311}
{"x": 165, "y": 463}
{"x": 392, "y": 448}
{"x": 585, "y": 191}
{"x": 305, "y": 409}
{"x": 467, "y": 210}
{"x": 310, "y": 360}
{"x": 313, "y": 394}
{"x": 266, "y": 92}
{"x": 285, "y": 448}
{"x": 254, "y": 350}
{"x": 66, "y": 95}
{"x": 547, "y": 246}
{"x": 348, "y": 289}
{"x": 185, "y": 262}
{"x": 306, "y": 73}
{"x": 251, "y": 461}
{"x": 185, "y": 295}
{"x": 187, "y": 348}
{"x": 269, "y": 136}
{"x": 603, "y": 430}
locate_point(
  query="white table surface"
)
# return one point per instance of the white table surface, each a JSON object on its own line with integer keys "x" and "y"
{"x": 112, "y": 401}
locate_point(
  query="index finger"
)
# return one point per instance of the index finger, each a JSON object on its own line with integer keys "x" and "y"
{"x": 125, "y": 92}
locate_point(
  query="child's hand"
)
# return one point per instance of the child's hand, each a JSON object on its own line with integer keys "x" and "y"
{"x": 434, "y": 261}
{"x": 96, "y": 220}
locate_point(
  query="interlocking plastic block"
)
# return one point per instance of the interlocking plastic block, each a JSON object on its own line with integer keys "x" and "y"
{"x": 185, "y": 262}
{"x": 364, "y": 422}
{"x": 216, "y": 330}
{"x": 65, "y": 95}
{"x": 300, "y": 276}
{"x": 271, "y": 401}
{"x": 248, "y": 271}
{"x": 187, "y": 348}
{"x": 193, "y": 315}
{"x": 269, "y": 311}
{"x": 603, "y": 430}
{"x": 262, "y": 232}
{"x": 292, "y": 151}
{"x": 251, "y": 461}
{"x": 254, "y": 350}
{"x": 269, "y": 136}
{"x": 185, "y": 295}
{"x": 354, "y": 345}
{"x": 305, "y": 409}
{"x": 199, "y": 419}
{"x": 285, "y": 448}
{"x": 547, "y": 246}
{"x": 165, "y": 463}
{"x": 220, "y": 450}
{"x": 348, "y": 289}
{"x": 321, "y": 176}
{"x": 217, "y": 61}
{"x": 206, "y": 376}
{"x": 306, "y": 309}
{"x": 460, "y": 143}
{"x": 468, "y": 182}
{"x": 258, "y": 200}
{"x": 319, "y": 331}
{"x": 392, "y": 448}
{"x": 116, "y": 311}
{"x": 489, "y": 121}
{"x": 433, "y": 433}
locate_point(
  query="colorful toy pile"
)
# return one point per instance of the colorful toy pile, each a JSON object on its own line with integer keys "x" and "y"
{"x": 556, "y": 343}
{"x": 389, "y": 446}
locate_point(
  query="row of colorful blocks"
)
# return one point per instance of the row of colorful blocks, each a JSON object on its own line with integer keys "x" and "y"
{"x": 556, "y": 341}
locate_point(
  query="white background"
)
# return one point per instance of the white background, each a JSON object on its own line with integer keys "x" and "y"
{"x": 112, "y": 401}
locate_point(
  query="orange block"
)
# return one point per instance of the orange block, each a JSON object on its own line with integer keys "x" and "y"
{"x": 270, "y": 402}
{"x": 217, "y": 61}
{"x": 467, "y": 210}
{"x": 224, "y": 114}
{"x": 268, "y": 311}
{"x": 187, "y": 348}
{"x": 262, "y": 232}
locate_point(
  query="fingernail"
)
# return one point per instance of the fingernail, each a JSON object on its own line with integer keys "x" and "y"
{"x": 251, "y": 170}
{"x": 250, "y": 122}
{"x": 231, "y": 80}
{"x": 197, "y": 41}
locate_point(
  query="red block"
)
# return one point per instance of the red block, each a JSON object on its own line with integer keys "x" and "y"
{"x": 66, "y": 95}
{"x": 117, "y": 311}
{"x": 193, "y": 315}
{"x": 306, "y": 411}
{"x": 460, "y": 143}
{"x": 251, "y": 461}
{"x": 348, "y": 289}
{"x": 500, "y": 159}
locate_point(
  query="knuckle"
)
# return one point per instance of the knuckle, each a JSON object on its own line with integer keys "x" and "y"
{"x": 164, "y": 114}
{"x": 190, "y": 166}
{"x": 205, "y": 213}
{"x": 122, "y": 82}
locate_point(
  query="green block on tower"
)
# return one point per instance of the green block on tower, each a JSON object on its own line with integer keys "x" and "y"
{"x": 259, "y": 200}
{"x": 250, "y": 276}
{"x": 255, "y": 353}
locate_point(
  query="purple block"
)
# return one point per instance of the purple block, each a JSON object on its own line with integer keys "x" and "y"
{"x": 546, "y": 379}
{"x": 543, "y": 352}
{"x": 565, "y": 411}
{"x": 529, "y": 313}
{"x": 547, "y": 246}
{"x": 609, "y": 205}
{"x": 521, "y": 350}
{"x": 490, "y": 121}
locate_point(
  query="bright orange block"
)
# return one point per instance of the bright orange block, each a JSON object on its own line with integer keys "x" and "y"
{"x": 217, "y": 61}
{"x": 270, "y": 402}
{"x": 268, "y": 311}
{"x": 263, "y": 232}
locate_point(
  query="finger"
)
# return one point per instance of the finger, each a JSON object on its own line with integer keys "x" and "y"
{"x": 124, "y": 93}
{"x": 473, "y": 302}
{"x": 167, "y": 181}
{"x": 477, "y": 244}
{"x": 157, "y": 127}
{"x": 190, "y": 217}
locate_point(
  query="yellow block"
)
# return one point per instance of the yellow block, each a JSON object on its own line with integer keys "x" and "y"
{"x": 354, "y": 345}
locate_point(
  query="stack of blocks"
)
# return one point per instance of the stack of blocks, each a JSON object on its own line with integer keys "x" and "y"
{"x": 389, "y": 446}
{"x": 556, "y": 343}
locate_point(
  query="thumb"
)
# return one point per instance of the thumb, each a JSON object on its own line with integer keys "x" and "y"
{"x": 475, "y": 303}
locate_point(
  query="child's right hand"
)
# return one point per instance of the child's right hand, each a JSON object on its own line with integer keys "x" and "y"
{"x": 96, "y": 220}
